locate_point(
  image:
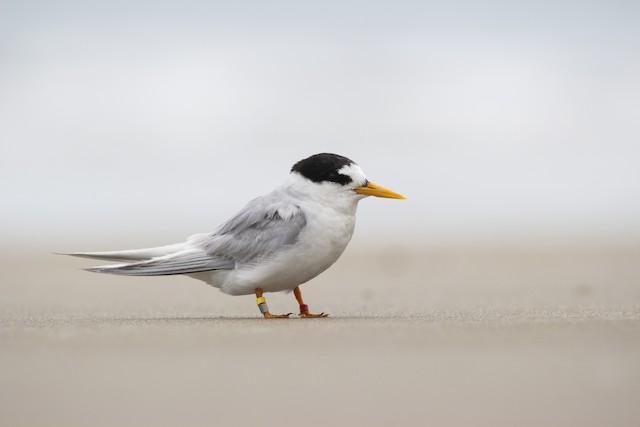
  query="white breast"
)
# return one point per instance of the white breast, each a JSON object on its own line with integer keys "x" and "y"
{"x": 320, "y": 244}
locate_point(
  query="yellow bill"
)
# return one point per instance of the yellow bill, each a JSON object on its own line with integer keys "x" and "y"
{"x": 372, "y": 189}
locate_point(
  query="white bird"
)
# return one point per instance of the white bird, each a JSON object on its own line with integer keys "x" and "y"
{"x": 275, "y": 243}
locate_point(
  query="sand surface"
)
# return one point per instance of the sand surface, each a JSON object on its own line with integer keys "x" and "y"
{"x": 417, "y": 337}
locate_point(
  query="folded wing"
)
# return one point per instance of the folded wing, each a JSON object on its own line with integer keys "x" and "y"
{"x": 262, "y": 229}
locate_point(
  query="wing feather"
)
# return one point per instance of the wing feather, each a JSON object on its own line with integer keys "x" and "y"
{"x": 177, "y": 264}
{"x": 263, "y": 228}
{"x": 266, "y": 226}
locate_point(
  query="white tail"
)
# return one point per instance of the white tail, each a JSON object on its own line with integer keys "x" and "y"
{"x": 131, "y": 254}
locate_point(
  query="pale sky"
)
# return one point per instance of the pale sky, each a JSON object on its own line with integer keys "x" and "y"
{"x": 152, "y": 121}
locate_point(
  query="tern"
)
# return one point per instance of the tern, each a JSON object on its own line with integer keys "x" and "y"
{"x": 275, "y": 243}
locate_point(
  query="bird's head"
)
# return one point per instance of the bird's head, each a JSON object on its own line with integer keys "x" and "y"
{"x": 332, "y": 174}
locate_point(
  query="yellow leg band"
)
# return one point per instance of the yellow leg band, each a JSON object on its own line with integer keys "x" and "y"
{"x": 260, "y": 300}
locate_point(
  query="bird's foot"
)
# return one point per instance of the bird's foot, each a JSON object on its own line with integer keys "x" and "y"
{"x": 304, "y": 308}
{"x": 268, "y": 315}
{"x": 312, "y": 315}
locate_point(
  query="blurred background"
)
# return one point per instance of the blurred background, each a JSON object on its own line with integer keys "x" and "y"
{"x": 500, "y": 121}
{"x": 504, "y": 291}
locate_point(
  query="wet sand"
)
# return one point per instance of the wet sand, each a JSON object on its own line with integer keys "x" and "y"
{"x": 417, "y": 337}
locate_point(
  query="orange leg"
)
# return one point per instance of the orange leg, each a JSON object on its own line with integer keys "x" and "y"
{"x": 264, "y": 309}
{"x": 304, "y": 308}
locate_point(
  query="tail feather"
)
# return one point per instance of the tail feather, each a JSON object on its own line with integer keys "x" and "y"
{"x": 180, "y": 263}
{"x": 131, "y": 254}
{"x": 181, "y": 258}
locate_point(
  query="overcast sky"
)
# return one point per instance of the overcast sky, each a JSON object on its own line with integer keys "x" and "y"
{"x": 150, "y": 121}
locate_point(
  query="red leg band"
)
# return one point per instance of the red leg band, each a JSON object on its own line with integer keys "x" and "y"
{"x": 304, "y": 308}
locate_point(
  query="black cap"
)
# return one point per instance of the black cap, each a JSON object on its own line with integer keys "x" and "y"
{"x": 324, "y": 167}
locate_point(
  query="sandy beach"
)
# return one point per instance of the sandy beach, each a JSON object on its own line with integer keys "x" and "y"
{"x": 417, "y": 337}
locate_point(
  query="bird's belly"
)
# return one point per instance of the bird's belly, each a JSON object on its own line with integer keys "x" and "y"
{"x": 318, "y": 247}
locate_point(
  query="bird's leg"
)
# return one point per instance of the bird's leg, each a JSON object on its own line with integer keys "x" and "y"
{"x": 304, "y": 308}
{"x": 264, "y": 309}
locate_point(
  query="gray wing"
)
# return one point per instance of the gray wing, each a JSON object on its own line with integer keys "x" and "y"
{"x": 178, "y": 263}
{"x": 266, "y": 226}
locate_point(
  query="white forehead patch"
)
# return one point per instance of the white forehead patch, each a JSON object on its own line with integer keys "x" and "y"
{"x": 355, "y": 172}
